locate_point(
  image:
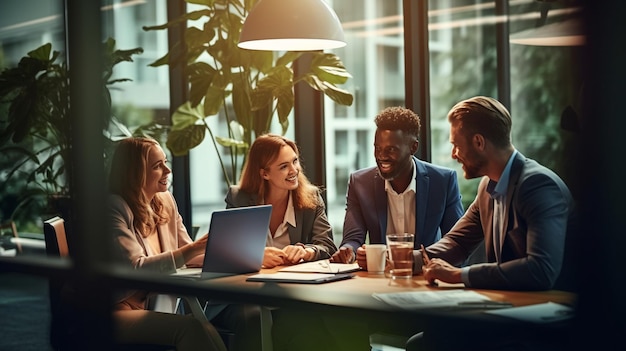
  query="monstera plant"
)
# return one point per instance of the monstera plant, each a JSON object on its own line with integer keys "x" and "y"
{"x": 35, "y": 134}
{"x": 250, "y": 89}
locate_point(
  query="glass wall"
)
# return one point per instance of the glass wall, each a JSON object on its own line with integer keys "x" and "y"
{"x": 139, "y": 100}
{"x": 375, "y": 58}
{"x": 545, "y": 85}
{"x": 22, "y": 31}
{"x": 463, "y": 59}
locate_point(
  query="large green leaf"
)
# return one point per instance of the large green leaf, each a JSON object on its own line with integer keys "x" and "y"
{"x": 338, "y": 95}
{"x": 180, "y": 141}
{"x": 329, "y": 68}
{"x": 195, "y": 37}
{"x": 164, "y": 60}
{"x": 273, "y": 85}
{"x": 186, "y": 116}
{"x": 230, "y": 142}
{"x": 241, "y": 101}
{"x": 200, "y": 78}
{"x": 215, "y": 95}
{"x": 262, "y": 119}
{"x": 189, "y": 16}
{"x": 285, "y": 100}
{"x": 42, "y": 53}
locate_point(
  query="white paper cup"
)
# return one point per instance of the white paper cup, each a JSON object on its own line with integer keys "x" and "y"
{"x": 376, "y": 255}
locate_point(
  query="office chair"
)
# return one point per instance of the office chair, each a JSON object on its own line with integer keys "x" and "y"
{"x": 8, "y": 230}
{"x": 63, "y": 314}
{"x": 64, "y": 327}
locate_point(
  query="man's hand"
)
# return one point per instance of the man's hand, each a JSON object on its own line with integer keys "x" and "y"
{"x": 361, "y": 258}
{"x": 345, "y": 254}
{"x": 273, "y": 257}
{"x": 442, "y": 270}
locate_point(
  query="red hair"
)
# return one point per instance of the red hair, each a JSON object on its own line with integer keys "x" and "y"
{"x": 262, "y": 153}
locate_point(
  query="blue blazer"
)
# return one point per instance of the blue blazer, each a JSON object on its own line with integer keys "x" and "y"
{"x": 437, "y": 205}
{"x": 540, "y": 212}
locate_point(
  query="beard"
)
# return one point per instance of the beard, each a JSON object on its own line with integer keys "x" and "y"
{"x": 474, "y": 166}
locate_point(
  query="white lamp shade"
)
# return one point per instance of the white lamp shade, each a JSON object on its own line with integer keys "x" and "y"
{"x": 565, "y": 33}
{"x": 291, "y": 25}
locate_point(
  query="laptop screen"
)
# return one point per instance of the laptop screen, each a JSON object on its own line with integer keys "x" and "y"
{"x": 237, "y": 238}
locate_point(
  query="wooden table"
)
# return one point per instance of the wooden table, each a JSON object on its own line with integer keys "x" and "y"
{"x": 352, "y": 300}
{"x": 357, "y": 292}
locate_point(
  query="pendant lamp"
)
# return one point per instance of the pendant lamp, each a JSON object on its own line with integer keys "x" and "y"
{"x": 291, "y": 25}
{"x": 564, "y": 33}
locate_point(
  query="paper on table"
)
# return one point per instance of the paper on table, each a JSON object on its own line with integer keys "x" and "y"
{"x": 321, "y": 266}
{"x": 428, "y": 299}
{"x": 540, "y": 313}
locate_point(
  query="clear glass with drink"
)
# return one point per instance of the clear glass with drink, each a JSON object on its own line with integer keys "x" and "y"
{"x": 400, "y": 248}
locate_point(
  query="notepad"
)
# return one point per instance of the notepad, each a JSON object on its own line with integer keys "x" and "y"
{"x": 322, "y": 266}
{"x": 302, "y": 278}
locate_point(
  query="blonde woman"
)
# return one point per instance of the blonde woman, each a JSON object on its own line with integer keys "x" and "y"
{"x": 149, "y": 235}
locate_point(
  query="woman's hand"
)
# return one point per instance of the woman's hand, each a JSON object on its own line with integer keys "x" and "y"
{"x": 296, "y": 253}
{"x": 188, "y": 254}
{"x": 273, "y": 257}
{"x": 199, "y": 246}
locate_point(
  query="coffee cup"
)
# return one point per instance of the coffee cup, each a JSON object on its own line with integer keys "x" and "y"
{"x": 376, "y": 255}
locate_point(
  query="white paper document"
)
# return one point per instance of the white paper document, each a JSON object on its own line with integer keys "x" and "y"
{"x": 540, "y": 313}
{"x": 432, "y": 298}
{"x": 321, "y": 266}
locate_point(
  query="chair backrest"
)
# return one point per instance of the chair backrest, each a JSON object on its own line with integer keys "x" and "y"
{"x": 10, "y": 229}
{"x": 56, "y": 239}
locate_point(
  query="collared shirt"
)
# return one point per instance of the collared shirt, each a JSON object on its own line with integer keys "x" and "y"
{"x": 497, "y": 191}
{"x": 280, "y": 238}
{"x": 401, "y": 207}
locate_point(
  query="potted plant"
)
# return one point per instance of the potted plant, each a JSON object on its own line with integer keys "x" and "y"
{"x": 35, "y": 127}
{"x": 247, "y": 88}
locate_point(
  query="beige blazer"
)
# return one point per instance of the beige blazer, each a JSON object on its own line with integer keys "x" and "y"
{"x": 133, "y": 250}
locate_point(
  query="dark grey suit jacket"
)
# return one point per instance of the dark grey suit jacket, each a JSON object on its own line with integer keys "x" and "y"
{"x": 540, "y": 211}
{"x": 312, "y": 227}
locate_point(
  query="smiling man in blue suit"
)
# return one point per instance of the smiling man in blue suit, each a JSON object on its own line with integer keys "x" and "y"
{"x": 402, "y": 194}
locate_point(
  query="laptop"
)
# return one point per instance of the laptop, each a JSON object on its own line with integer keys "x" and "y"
{"x": 236, "y": 242}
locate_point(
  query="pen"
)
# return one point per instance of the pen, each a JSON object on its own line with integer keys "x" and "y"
{"x": 326, "y": 264}
{"x": 425, "y": 257}
{"x": 426, "y": 261}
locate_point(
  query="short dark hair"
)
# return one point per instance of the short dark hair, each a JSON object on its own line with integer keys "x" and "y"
{"x": 399, "y": 118}
{"x": 483, "y": 115}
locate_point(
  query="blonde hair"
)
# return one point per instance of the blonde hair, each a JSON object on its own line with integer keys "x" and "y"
{"x": 262, "y": 153}
{"x": 128, "y": 179}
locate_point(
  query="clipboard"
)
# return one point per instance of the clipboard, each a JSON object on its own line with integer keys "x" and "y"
{"x": 299, "y": 278}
